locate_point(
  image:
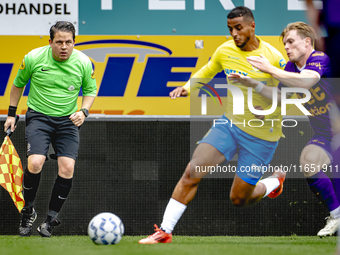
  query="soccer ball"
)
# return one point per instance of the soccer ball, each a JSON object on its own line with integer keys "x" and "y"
{"x": 106, "y": 228}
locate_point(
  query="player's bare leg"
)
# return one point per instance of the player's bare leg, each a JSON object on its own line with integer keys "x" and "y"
{"x": 204, "y": 155}
{"x": 243, "y": 193}
{"x": 35, "y": 163}
{"x": 312, "y": 159}
{"x": 313, "y": 154}
{"x": 185, "y": 190}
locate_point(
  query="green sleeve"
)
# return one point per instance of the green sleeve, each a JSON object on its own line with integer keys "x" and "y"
{"x": 89, "y": 85}
{"x": 24, "y": 73}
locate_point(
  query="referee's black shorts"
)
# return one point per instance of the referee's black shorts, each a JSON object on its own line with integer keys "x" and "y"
{"x": 41, "y": 130}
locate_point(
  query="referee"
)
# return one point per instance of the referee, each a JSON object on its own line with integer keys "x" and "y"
{"x": 56, "y": 73}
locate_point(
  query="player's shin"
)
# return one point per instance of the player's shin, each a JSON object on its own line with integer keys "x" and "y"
{"x": 60, "y": 193}
{"x": 172, "y": 214}
{"x": 322, "y": 187}
{"x": 30, "y": 185}
{"x": 271, "y": 184}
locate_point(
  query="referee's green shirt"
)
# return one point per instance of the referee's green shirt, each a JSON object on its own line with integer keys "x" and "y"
{"x": 54, "y": 85}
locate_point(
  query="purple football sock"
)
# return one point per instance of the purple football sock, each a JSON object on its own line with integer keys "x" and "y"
{"x": 336, "y": 185}
{"x": 322, "y": 187}
{"x": 336, "y": 173}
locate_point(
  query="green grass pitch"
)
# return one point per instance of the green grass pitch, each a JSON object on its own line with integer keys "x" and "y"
{"x": 215, "y": 245}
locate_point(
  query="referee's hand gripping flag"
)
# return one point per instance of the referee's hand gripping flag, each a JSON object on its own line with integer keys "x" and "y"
{"x": 11, "y": 172}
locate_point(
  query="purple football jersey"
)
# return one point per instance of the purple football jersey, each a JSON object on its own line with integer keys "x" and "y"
{"x": 320, "y": 102}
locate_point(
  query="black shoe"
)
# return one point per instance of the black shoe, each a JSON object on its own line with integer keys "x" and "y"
{"x": 28, "y": 217}
{"x": 45, "y": 229}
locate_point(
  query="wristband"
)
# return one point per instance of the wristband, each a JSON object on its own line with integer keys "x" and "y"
{"x": 258, "y": 88}
{"x": 12, "y": 111}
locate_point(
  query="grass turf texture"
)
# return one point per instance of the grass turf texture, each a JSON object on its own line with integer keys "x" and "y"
{"x": 236, "y": 245}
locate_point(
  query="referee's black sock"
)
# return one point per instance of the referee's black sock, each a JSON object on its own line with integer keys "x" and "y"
{"x": 30, "y": 185}
{"x": 60, "y": 192}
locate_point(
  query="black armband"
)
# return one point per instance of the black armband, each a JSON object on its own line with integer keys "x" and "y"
{"x": 12, "y": 111}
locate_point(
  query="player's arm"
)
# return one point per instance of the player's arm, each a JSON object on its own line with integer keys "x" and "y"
{"x": 313, "y": 15}
{"x": 87, "y": 102}
{"x": 306, "y": 79}
{"x": 20, "y": 81}
{"x": 258, "y": 86}
{"x": 186, "y": 89}
{"x": 204, "y": 75}
{"x": 314, "y": 19}
{"x": 89, "y": 88}
{"x": 178, "y": 92}
{"x": 15, "y": 95}
{"x": 78, "y": 118}
{"x": 13, "y": 103}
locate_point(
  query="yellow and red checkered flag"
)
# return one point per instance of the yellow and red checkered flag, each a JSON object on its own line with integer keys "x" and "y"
{"x": 11, "y": 172}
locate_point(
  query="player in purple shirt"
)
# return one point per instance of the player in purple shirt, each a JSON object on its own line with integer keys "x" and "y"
{"x": 305, "y": 69}
{"x": 320, "y": 102}
{"x": 329, "y": 19}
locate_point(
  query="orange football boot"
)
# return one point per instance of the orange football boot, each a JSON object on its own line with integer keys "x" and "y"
{"x": 158, "y": 237}
{"x": 281, "y": 175}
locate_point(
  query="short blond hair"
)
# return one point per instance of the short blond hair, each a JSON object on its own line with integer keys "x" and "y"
{"x": 302, "y": 29}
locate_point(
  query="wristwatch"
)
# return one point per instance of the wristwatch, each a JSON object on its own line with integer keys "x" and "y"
{"x": 85, "y": 111}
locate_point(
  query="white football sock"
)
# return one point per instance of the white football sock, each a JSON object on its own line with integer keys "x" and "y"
{"x": 271, "y": 184}
{"x": 172, "y": 214}
{"x": 336, "y": 212}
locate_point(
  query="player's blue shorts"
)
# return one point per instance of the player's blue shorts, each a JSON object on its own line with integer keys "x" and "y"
{"x": 253, "y": 153}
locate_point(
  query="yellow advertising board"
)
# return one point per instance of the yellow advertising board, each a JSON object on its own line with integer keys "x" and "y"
{"x": 134, "y": 74}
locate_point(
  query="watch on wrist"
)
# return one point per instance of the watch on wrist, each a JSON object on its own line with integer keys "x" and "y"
{"x": 85, "y": 111}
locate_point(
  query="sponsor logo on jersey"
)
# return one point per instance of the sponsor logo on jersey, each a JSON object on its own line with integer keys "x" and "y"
{"x": 316, "y": 64}
{"x": 233, "y": 57}
{"x": 229, "y": 71}
{"x": 22, "y": 66}
{"x": 282, "y": 63}
{"x": 318, "y": 54}
{"x": 317, "y": 141}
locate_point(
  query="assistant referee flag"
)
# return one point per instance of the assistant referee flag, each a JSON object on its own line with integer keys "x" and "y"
{"x": 11, "y": 172}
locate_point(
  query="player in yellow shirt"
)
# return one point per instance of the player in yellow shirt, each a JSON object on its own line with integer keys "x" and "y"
{"x": 255, "y": 146}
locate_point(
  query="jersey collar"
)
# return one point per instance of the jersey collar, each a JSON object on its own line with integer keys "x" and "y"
{"x": 300, "y": 69}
